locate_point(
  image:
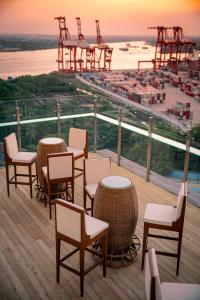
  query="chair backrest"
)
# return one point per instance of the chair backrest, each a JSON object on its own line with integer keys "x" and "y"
{"x": 152, "y": 278}
{"x": 181, "y": 200}
{"x": 60, "y": 165}
{"x": 96, "y": 169}
{"x": 11, "y": 147}
{"x": 69, "y": 220}
{"x": 77, "y": 138}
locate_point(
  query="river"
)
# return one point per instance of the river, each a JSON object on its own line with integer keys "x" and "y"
{"x": 44, "y": 61}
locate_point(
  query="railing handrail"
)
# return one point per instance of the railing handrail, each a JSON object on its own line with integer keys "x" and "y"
{"x": 113, "y": 121}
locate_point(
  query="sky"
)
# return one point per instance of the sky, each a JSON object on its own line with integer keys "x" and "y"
{"x": 117, "y": 17}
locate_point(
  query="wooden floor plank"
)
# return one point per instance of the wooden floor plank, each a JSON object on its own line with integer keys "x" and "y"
{"x": 27, "y": 245}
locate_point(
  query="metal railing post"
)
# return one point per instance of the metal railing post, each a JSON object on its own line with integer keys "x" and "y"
{"x": 58, "y": 111}
{"x": 149, "y": 144}
{"x": 19, "y": 136}
{"x": 187, "y": 153}
{"x": 119, "y": 141}
{"x": 95, "y": 126}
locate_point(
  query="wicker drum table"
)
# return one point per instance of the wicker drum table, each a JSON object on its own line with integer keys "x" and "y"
{"x": 47, "y": 146}
{"x": 116, "y": 203}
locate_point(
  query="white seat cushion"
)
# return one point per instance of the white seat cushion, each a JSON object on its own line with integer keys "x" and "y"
{"x": 24, "y": 157}
{"x": 91, "y": 189}
{"x": 76, "y": 152}
{"x": 94, "y": 226}
{"x": 44, "y": 171}
{"x": 180, "y": 291}
{"x": 160, "y": 214}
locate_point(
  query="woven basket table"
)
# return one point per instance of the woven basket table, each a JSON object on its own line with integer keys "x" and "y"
{"x": 47, "y": 146}
{"x": 116, "y": 203}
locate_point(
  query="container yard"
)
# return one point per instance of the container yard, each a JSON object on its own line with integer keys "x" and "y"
{"x": 176, "y": 95}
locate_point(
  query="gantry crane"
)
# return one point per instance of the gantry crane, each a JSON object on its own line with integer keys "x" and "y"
{"x": 171, "y": 49}
{"x": 103, "y": 53}
{"x": 66, "y": 48}
{"x": 79, "y": 56}
{"x": 85, "y": 53}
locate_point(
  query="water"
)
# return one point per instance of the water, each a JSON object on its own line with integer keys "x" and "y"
{"x": 44, "y": 61}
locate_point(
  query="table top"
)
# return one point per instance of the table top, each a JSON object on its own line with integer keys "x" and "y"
{"x": 116, "y": 182}
{"x": 51, "y": 141}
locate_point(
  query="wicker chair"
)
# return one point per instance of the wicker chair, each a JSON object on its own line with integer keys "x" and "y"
{"x": 76, "y": 228}
{"x": 166, "y": 217}
{"x": 165, "y": 291}
{"x": 59, "y": 176}
{"x": 14, "y": 157}
{"x": 94, "y": 170}
{"x": 78, "y": 145}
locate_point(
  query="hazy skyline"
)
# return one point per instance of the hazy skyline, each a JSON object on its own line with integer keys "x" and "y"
{"x": 117, "y": 17}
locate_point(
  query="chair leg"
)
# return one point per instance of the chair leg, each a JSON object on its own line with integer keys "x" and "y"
{"x": 179, "y": 251}
{"x": 82, "y": 259}
{"x": 144, "y": 247}
{"x": 84, "y": 200}
{"x": 7, "y": 180}
{"x": 105, "y": 246}
{"x": 15, "y": 172}
{"x": 72, "y": 184}
{"x": 57, "y": 260}
{"x": 49, "y": 197}
{"x": 30, "y": 180}
{"x": 92, "y": 206}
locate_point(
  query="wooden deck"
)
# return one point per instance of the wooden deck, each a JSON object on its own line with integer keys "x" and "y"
{"x": 27, "y": 244}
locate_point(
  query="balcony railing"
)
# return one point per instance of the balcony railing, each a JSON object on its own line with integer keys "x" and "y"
{"x": 126, "y": 133}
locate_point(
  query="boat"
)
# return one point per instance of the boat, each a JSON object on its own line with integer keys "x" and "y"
{"x": 123, "y": 48}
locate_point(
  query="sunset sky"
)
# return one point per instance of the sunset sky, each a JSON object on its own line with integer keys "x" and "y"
{"x": 117, "y": 17}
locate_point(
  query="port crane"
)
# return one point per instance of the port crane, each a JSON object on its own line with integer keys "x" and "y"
{"x": 173, "y": 47}
{"x": 85, "y": 53}
{"x": 103, "y": 53}
{"x": 66, "y": 48}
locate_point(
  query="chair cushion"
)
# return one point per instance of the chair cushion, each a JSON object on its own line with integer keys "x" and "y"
{"x": 77, "y": 138}
{"x": 160, "y": 214}
{"x": 11, "y": 145}
{"x": 94, "y": 226}
{"x": 180, "y": 291}
{"x": 76, "y": 152}
{"x": 24, "y": 157}
{"x": 91, "y": 189}
{"x": 103, "y": 165}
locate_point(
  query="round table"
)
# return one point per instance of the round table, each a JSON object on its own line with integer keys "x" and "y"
{"x": 47, "y": 146}
{"x": 116, "y": 203}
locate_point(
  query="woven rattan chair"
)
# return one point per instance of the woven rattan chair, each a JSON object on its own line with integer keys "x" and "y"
{"x": 59, "y": 176}
{"x": 78, "y": 145}
{"x": 14, "y": 157}
{"x": 76, "y": 228}
{"x": 166, "y": 217}
{"x": 94, "y": 170}
{"x": 165, "y": 291}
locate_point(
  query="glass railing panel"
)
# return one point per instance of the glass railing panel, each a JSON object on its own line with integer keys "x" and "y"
{"x": 166, "y": 159}
{"x": 176, "y": 131}
{"x": 7, "y": 111}
{"x": 135, "y": 117}
{"x": 107, "y": 107}
{"x": 32, "y": 133}
{"x": 76, "y": 104}
{"x": 37, "y": 108}
{"x": 134, "y": 147}
{"x": 194, "y": 178}
{"x": 106, "y": 135}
